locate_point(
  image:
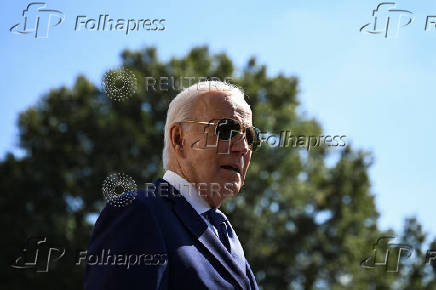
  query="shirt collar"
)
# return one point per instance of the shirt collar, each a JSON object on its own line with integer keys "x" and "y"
{"x": 188, "y": 190}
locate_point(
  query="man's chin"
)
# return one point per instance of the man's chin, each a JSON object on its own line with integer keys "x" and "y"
{"x": 231, "y": 188}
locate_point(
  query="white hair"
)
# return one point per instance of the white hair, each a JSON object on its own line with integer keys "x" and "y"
{"x": 181, "y": 107}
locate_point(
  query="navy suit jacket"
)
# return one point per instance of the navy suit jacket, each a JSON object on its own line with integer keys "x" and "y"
{"x": 159, "y": 242}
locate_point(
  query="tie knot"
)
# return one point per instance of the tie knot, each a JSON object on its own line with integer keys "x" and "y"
{"x": 215, "y": 217}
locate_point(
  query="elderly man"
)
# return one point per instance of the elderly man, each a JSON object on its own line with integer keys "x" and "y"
{"x": 173, "y": 236}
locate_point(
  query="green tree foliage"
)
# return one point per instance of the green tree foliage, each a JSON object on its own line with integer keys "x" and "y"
{"x": 304, "y": 224}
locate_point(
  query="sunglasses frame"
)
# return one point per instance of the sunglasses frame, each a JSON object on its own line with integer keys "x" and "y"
{"x": 242, "y": 129}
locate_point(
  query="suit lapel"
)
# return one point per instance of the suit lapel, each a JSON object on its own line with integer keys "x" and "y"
{"x": 250, "y": 276}
{"x": 190, "y": 218}
{"x": 237, "y": 248}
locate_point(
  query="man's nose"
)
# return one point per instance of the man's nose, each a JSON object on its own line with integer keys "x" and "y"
{"x": 240, "y": 144}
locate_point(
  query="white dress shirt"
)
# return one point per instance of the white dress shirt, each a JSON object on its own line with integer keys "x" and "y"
{"x": 200, "y": 205}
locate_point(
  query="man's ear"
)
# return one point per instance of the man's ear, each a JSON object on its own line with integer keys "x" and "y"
{"x": 177, "y": 138}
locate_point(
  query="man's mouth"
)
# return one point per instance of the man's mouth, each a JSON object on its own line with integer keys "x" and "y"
{"x": 229, "y": 167}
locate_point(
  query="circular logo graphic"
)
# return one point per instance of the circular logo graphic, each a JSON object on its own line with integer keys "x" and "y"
{"x": 119, "y": 84}
{"x": 119, "y": 189}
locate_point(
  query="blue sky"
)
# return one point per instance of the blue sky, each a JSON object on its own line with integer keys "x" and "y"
{"x": 377, "y": 91}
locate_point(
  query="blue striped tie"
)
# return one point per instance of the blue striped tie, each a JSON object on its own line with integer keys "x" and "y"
{"x": 219, "y": 221}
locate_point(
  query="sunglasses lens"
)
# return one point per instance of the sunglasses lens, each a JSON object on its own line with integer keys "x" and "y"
{"x": 253, "y": 137}
{"x": 229, "y": 128}
{"x": 250, "y": 135}
{"x": 226, "y": 128}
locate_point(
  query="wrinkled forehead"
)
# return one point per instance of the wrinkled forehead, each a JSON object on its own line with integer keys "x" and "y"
{"x": 218, "y": 105}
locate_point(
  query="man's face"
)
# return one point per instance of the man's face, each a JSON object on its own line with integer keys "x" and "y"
{"x": 210, "y": 162}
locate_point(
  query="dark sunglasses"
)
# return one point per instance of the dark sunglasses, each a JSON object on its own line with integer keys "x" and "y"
{"x": 228, "y": 128}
